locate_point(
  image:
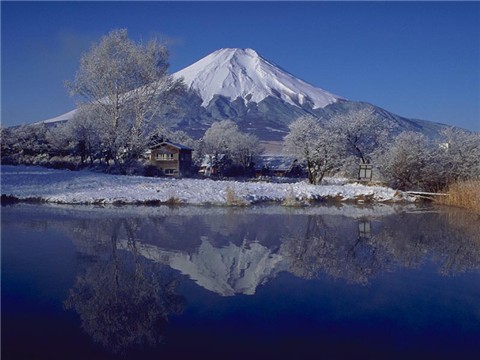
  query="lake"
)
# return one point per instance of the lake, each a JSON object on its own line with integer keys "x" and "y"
{"x": 267, "y": 282}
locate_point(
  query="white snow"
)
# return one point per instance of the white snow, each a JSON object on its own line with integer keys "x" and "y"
{"x": 87, "y": 187}
{"x": 64, "y": 117}
{"x": 227, "y": 271}
{"x": 243, "y": 73}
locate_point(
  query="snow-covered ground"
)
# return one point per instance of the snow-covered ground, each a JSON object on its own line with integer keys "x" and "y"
{"x": 87, "y": 187}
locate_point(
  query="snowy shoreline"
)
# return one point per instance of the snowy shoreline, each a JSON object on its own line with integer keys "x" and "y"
{"x": 37, "y": 184}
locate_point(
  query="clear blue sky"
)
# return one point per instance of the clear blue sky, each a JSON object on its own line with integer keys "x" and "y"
{"x": 416, "y": 59}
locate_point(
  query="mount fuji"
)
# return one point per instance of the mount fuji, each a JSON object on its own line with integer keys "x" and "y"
{"x": 244, "y": 74}
{"x": 261, "y": 97}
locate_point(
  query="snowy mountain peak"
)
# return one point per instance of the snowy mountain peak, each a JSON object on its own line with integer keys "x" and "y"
{"x": 243, "y": 73}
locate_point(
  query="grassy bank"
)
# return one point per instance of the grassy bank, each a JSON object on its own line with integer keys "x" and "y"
{"x": 464, "y": 194}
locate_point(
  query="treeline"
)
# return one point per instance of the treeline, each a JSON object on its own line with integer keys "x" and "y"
{"x": 404, "y": 160}
{"x": 38, "y": 145}
{"x": 75, "y": 145}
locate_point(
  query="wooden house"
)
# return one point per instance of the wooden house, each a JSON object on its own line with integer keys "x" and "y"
{"x": 171, "y": 158}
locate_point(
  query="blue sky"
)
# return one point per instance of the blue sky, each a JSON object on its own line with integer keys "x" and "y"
{"x": 415, "y": 59}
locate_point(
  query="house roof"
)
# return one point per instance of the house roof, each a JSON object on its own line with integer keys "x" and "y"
{"x": 175, "y": 145}
{"x": 275, "y": 162}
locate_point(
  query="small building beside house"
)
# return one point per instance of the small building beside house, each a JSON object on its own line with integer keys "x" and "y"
{"x": 171, "y": 158}
{"x": 211, "y": 165}
{"x": 278, "y": 166}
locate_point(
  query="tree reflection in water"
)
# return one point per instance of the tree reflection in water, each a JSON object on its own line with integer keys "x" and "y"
{"x": 451, "y": 240}
{"x": 132, "y": 262}
{"x": 339, "y": 250}
{"x": 122, "y": 299}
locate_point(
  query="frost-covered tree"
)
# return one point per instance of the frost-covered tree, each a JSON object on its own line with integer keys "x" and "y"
{"x": 317, "y": 147}
{"x": 59, "y": 140}
{"x": 409, "y": 162}
{"x": 360, "y": 133}
{"x": 412, "y": 161}
{"x": 124, "y": 85}
{"x": 245, "y": 150}
{"x": 86, "y": 132}
{"x": 220, "y": 138}
{"x": 162, "y": 133}
{"x": 459, "y": 153}
{"x": 225, "y": 143}
{"x": 25, "y": 144}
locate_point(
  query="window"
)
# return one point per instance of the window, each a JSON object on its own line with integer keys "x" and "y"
{"x": 170, "y": 171}
{"x": 164, "y": 157}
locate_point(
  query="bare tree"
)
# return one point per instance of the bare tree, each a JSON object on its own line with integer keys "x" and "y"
{"x": 316, "y": 147}
{"x": 124, "y": 85}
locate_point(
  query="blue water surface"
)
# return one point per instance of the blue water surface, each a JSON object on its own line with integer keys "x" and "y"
{"x": 255, "y": 283}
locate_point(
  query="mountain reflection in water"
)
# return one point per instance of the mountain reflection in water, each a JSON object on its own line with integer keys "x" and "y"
{"x": 132, "y": 261}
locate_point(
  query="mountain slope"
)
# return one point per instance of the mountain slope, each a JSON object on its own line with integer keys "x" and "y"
{"x": 242, "y": 73}
{"x": 262, "y": 98}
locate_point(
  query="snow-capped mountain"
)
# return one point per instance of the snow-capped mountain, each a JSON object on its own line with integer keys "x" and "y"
{"x": 227, "y": 271}
{"x": 244, "y": 74}
{"x": 262, "y": 98}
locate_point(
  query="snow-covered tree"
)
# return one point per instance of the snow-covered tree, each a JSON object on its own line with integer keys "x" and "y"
{"x": 246, "y": 149}
{"x": 124, "y": 85}
{"x": 409, "y": 162}
{"x": 25, "y": 144}
{"x": 86, "y": 132}
{"x": 412, "y": 161}
{"x": 59, "y": 140}
{"x": 317, "y": 147}
{"x": 220, "y": 138}
{"x": 225, "y": 143}
{"x": 459, "y": 153}
{"x": 162, "y": 133}
{"x": 360, "y": 133}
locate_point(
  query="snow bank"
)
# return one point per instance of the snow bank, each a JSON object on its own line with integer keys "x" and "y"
{"x": 87, "y": 187}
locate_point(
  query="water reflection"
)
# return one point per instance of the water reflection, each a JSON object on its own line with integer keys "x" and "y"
{"x": 122, "y": 299}
{"x": 133, "y": 260}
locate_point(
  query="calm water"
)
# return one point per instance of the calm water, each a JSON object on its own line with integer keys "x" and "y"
{"x": 268, "y": 283}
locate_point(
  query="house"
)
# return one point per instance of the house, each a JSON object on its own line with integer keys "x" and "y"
{"x": 171, "y": 158}
{"x": 277, "y": 165}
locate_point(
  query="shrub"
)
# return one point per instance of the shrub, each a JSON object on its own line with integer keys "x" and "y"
{"x": 232, "y": 199}
{"x": 464, "y": 194}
